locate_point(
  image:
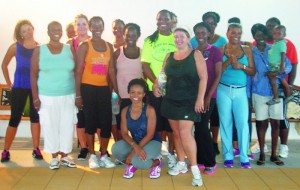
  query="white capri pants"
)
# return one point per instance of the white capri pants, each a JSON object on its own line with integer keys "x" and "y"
{"x": 58, "y": 118}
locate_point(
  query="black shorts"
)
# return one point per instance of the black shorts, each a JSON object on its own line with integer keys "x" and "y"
{"x": 162, "y": 123}
{"x": 97, "y": 109}
{"x": 80, "y": 118}
{"x": 214, "y": 117}
{"x": 18, "y": 101}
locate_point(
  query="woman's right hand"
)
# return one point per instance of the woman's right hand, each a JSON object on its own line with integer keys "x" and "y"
{"x": 140, "y": 153}
{"x": 156, "y": 90}
{"x": 37, "y": 104}
{"x": 78, "y": 102}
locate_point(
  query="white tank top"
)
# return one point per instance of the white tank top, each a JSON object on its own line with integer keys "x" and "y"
{"x": 127, "y": 69}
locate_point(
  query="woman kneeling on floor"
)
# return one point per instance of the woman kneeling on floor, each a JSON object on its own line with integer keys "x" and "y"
{"x": 141, "y": 149}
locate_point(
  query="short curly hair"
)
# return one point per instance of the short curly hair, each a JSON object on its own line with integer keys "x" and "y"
{"x": 20, "y": 23}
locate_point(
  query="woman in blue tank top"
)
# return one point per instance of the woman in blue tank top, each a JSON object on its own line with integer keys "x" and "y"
{"x": 232, "y": 97}
{"x": 141, "y": 148}
{"x": 21, "y": 88}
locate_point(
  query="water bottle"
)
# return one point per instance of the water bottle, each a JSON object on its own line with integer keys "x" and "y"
{"x": 162, "y": 81}
{"x": 115, "y": 103}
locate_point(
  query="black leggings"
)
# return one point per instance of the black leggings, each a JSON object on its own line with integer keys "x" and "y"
{"x": 205, "y": 148}
{"x": 18, "y": 101}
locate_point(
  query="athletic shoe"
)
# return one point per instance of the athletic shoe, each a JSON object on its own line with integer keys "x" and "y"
{"x": 236, "y": 152}
{"x": 283, "y": 151}
{"x": 201, "y": 166}
{"x": 155, "y": 171}
{"x": 172, "y": 160}
{"x": 245, "y": 165}
{"x": 197, "y": 179}
{"x": 250, "y": 155}
{"x": 165, "y": 148}
{"x": 54, "y": 164}
{"x": 210, "y": 170}
{"x": 93, "y": 161}
{"x": 228, "y": 164}
{"x": 106, "y": 162}
{"x": 5, "y": 156}
{"x": 255, "y": 148}
{"x": 65, "y": 161}
{"x": 129, "y": 171}
{"x": 179, "y": 168}
{"x": 83, "y": 154}
{"x": 118, "y": 162}
{"x": 37, "y": 154}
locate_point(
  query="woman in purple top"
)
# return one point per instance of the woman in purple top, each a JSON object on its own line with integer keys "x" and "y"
{"x": 213, "y": 58}
{"x": 22, "y": 49}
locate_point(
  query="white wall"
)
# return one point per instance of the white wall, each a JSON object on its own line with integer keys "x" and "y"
{"x": 143, "y": 12}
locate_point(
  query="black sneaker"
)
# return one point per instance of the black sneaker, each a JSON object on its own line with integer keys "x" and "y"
{"x": 216, "y": 149}
{"x": 37, "y": 154}
{"x": 83, "y": 154}
{"x": 5, "y": 156}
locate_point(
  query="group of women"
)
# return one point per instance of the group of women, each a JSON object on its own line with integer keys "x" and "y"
{"x": 72, "y": 84}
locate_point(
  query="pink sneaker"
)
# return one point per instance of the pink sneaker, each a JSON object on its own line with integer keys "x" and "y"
{"x": 210, "y": 170}
{"x": 129, "y": 171}
{"x": 155, "y": 171}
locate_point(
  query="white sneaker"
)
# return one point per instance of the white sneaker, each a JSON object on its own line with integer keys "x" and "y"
{"x": 54, "y": 164}
{"x": 197, "y": 179}
{"x": 93, "y": 162}
{"x": 266, "y": 148}
{"x": 255, "y": 148}
{"x": 164, "y": 148}
{"x": 67, "y": 162}
{"x": 106, "y": 162}
{"x": 283, "y": 151}
{"x": 179, "y": 168}
{"x": 172, "y": 160}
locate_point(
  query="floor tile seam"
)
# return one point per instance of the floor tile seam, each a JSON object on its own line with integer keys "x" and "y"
{"x": 21, "y": 178}
{"x": 290, "y": 177}
{"x": 231, "y": 177}
{"x": 80, "y": 180}
{"x": 262, "y": 179}
{"x": 50, "y": 180}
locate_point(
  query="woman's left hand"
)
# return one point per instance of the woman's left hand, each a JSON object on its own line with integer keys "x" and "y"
{"x": 199, "y": 106}
{"x": 235, "y": 63}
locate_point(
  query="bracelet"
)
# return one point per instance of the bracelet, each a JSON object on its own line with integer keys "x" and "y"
{"x": 36, "y": 100}
{"x": 245, "y": 67}
{"x": 132, "y": 143}
{"x": 77, "y": 97}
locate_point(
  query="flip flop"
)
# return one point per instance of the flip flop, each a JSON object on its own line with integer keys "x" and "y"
{"x": 277, "y": 161}
{"x": 260, "y": 162}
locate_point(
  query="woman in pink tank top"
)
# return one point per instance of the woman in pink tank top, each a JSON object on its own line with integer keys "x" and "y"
{"x": 128, "y": 64}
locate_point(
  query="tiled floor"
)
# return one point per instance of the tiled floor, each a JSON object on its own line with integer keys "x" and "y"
{"x": 22, "y": 172}
{"x": 84, "y": 178}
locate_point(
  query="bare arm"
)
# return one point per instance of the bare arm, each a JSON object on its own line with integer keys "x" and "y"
{"x": 250, "y": 69}
{"x": 155, "y": 86}
{"x": 11, "y": 52}
{"x": 282, "y": 62}
{"x": 112, "y": 70}
{"x": 216, "y": 80}
{"x": 81, "y": 53}
{"x": 202, "y": 73}
{"x": 34, "y": 74}
{"x": 148, "y": 71}
{"x": 292, "y": 74}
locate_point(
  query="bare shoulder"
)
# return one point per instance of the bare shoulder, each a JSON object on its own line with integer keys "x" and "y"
{"x": 150, "y": 109}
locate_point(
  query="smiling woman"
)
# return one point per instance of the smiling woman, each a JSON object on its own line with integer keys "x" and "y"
{"x": 53, "y": 89}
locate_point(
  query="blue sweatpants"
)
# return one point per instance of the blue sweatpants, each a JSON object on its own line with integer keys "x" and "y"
{"x": 233, "y": 102}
